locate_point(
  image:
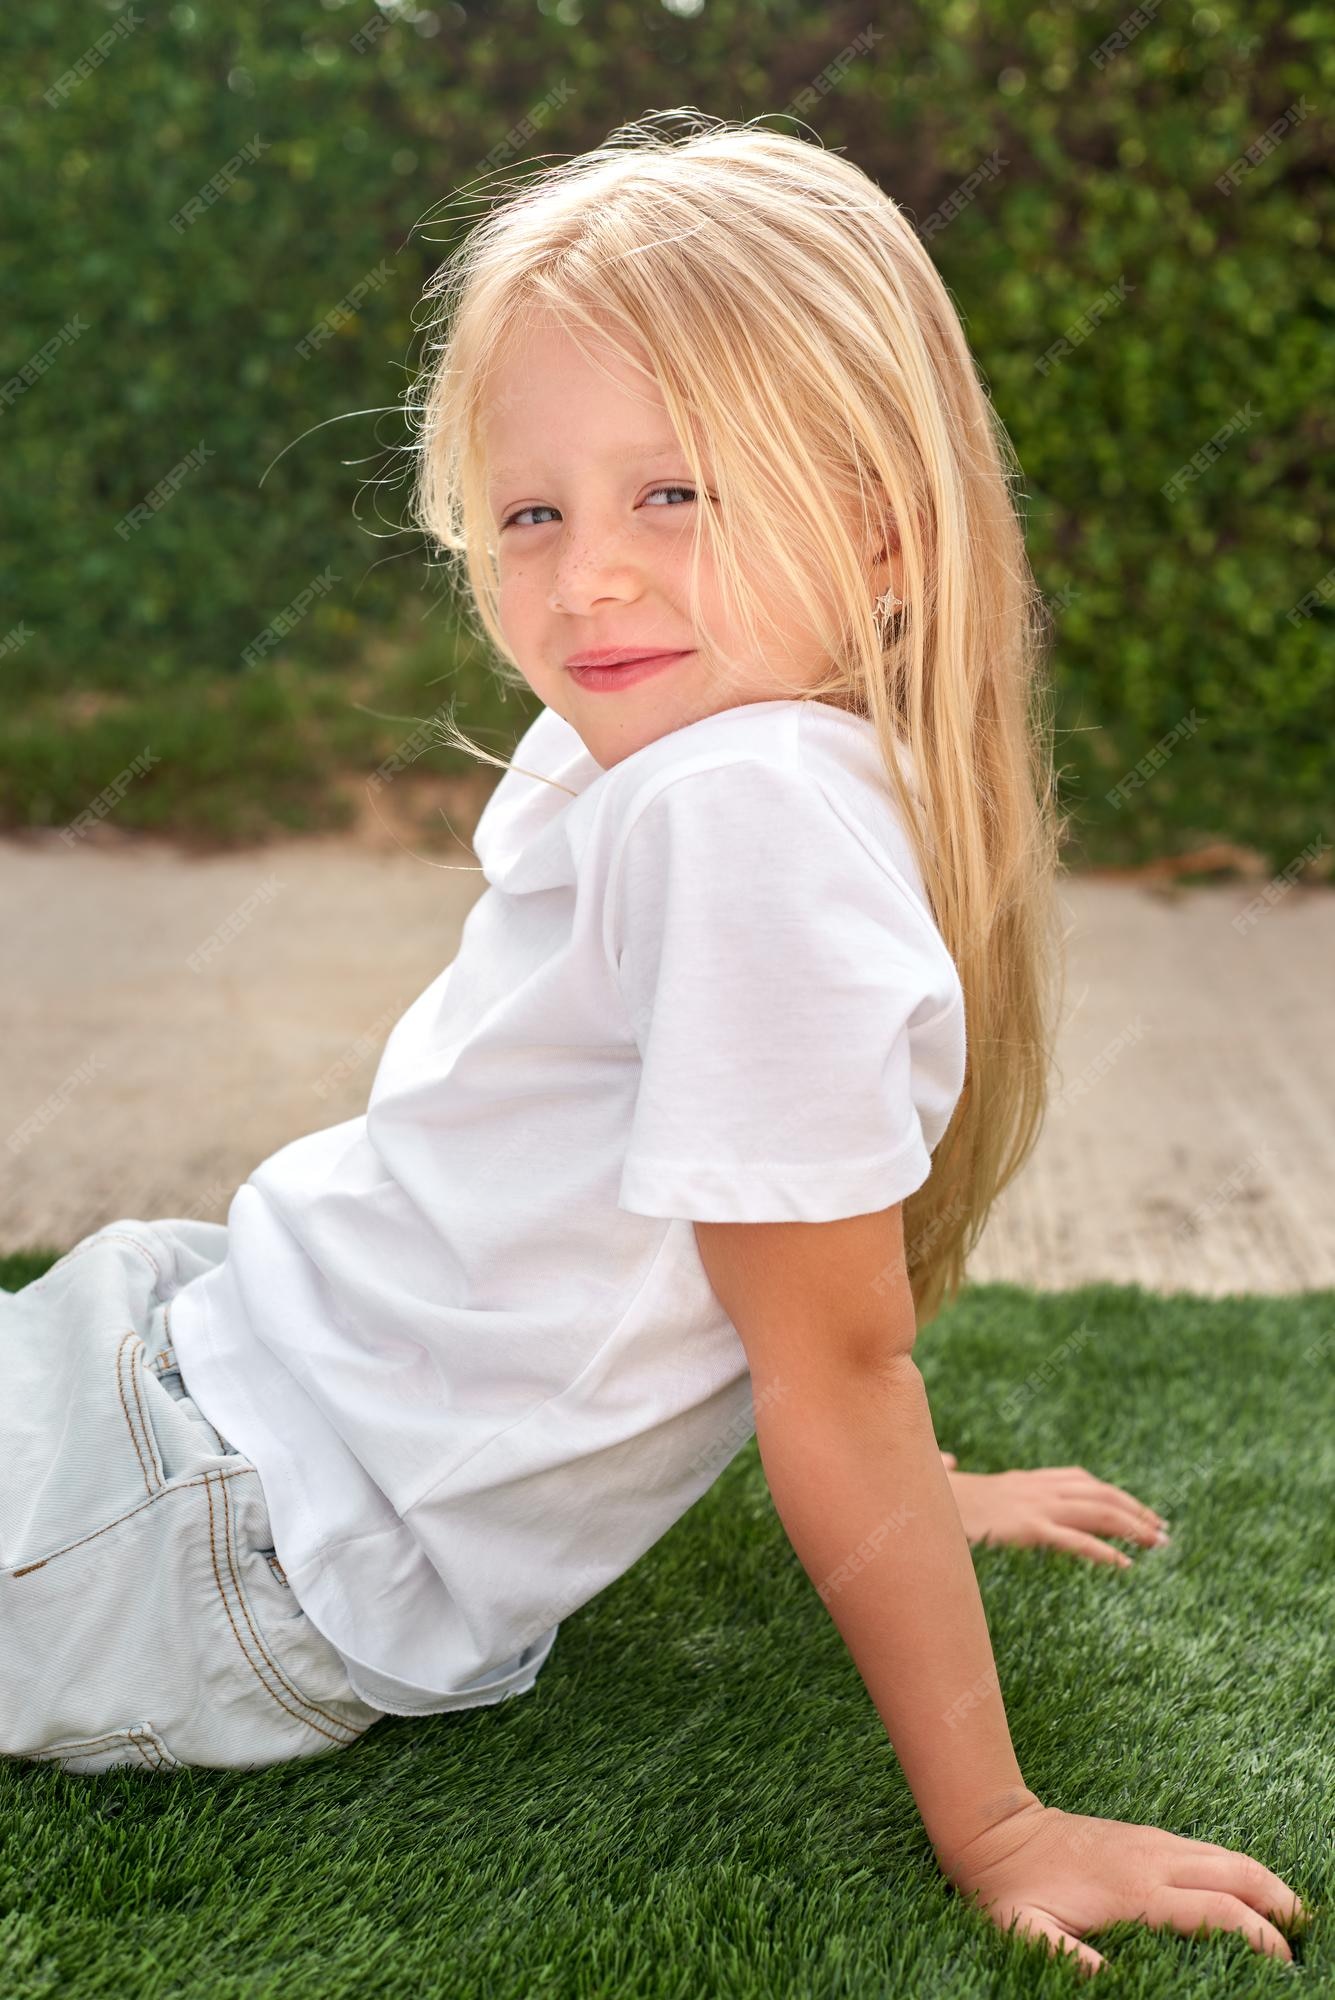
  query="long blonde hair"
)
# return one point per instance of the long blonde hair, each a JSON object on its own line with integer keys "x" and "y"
{"x": 796, "y": 327}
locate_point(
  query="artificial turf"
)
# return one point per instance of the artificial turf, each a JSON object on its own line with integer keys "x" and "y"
{"x": 698, "y": 1798}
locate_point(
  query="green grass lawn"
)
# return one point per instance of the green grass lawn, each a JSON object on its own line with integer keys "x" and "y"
{"x": 698, "y": 1798}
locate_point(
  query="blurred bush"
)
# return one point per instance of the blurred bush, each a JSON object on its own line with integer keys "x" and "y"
{"x": 219, "y": 225}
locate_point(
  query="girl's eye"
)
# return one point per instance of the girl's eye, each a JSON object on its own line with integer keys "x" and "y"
{"x": 525, "y": 510}
{"x": 539, "y": 508}
{"x": 669, "y": 489}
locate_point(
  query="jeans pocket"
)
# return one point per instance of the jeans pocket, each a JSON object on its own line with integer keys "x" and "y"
{"x": 302, "y": 1672}
{"x": 161, "y": 1363}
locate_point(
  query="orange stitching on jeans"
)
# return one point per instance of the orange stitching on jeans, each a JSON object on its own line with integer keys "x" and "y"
{"x": 163, "y": 1493}
{"x": 149, "y": 1751}
{"x": 91, "y": 1243}
{"x": 84, "y": 1746}
{"x": 122, "y": 1236}
{"x": 170, "y": 1349}
{"x": 267, "y": 1657}
{"x": 120, "y": 1388}
{"x": 206, "y": 1480}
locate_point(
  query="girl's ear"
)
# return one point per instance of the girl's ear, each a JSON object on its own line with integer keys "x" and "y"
{"x": 882, "y": 529}
{"x": 880, "y": 542}
{"x": 888, "y": 570}
{"x": 889, "y": 535}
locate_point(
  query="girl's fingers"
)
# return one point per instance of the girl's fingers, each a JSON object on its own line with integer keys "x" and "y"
{"x": 1041, "y": 1924}
{"x": 1190, "y": 1910}
{"x": 1087, "y": 1487}
{"x": 1205, "y": 1865}
{"x": 1077, "y": 1544}
{"x": 1103, "y": 1518}
{"x": 1137, "y": 1507}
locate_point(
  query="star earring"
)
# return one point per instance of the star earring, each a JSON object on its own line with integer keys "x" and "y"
{"x": 888, "y": 626}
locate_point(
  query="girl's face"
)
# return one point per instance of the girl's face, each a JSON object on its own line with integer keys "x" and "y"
{"x": 594, "y": 521}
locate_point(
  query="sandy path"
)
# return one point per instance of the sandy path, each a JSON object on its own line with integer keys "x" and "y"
{"x": 1190, "y": 1144}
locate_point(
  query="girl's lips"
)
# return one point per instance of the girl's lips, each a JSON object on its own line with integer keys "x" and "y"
{"x": 601, "y": 680}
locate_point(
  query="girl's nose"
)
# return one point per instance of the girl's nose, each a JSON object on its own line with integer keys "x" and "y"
{"x": 593, "y": 584}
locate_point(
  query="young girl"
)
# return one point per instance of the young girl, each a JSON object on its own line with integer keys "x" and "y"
{"x": 686, "y": 1141}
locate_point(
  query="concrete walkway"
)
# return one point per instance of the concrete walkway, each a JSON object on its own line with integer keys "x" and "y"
{"x": 167, "y": 1021}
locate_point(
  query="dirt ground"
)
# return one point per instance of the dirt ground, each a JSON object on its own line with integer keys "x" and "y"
{"x": 167, "y": 1020}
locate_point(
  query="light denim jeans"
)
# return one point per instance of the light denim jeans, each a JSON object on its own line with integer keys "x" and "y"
{"x": 144, "y": 1616}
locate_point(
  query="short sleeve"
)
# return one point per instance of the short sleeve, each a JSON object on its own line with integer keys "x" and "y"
{"x": 771, "y": 967}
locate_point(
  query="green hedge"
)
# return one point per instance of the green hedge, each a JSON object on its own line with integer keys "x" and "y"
{"x": 194, "y": 193}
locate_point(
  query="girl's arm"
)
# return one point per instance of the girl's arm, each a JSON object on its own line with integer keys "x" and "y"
{"x": 825, "y": 1313}
{"x": 846, "y": 1439}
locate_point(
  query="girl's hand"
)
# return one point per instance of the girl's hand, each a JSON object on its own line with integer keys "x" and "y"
{"x": 1061, "y": 1874}
{"x": 1057, "y": 1506}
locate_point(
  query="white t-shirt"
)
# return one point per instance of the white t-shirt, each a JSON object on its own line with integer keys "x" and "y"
{"x": 467, "y": 1337}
